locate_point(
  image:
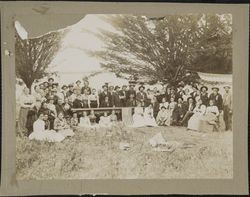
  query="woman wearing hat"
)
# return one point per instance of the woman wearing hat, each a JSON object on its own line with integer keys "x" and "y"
{"x": 204, "y": 95}
{"x": 141, "y": 97}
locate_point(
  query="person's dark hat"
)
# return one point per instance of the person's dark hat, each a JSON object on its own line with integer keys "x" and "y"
{"x": 51, "y": 79}
{"x": 180, "y": 98}
{"x": 215, "y": 88}
{"x": 105, "y": 85}
{"x": 204, "y": 87}
{"x": 163, "y": 107}
{"x": 46, "y": 82}
{"x": 124, "y": 86}
{"x": 78, "y": 81}
{"x": 117, "y": 87}
{"x": 172, "y": 88}
{"x": 180, "y": 85}
{"x": 71, "y": 85}
{"x": 140, "y": 87}
{"x": 190, "y": 98}
{"x": 194, "y": 86}
{"x": 41, "y": 84}
{"x": 64, "y": 86}
{"x": 50, "y": 86}
{"x": 55, "y": 84}
{"x": 226, "y": 86}
{"x": 131, "y": 85}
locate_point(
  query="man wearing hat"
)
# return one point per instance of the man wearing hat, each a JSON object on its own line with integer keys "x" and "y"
{"x": 227, "y": 108}
{"x": 216, "y": 96}
{"x": 122, "y": 95}
{"x": 86, "y": 87}
{"x": 194, "y": 93}
{"x": 131, "y": 91}
{"x": 204, "y": 95}
{"x": 50, "y": 81}
{"x": 103, "y": 94}
{"x": 141, "y": 97}
{"x": 180, "y": 91}
{"x": 70, "y": 90}
{"x": 116, "y": 101}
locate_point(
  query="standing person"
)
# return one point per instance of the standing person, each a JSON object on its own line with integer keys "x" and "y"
{"x": 86, "y": 87}
{"x": 73, "y": 96}
{"x": 180, "y": 91}
{"x": 227, "y": 108}
{"x": 45, "y": 110}
{"x": 131, "y": 101}
{"x": 50, "y": 81}
{"x": 150, "y": 96}
{"x": 172, "y": 105}
{"x": 141, "y": 97}
{"x": 32, "y": 116}
{"x": 62, "y": 94}
{"x": 103, "y": 94}
{"x": 204, "y": 95}
{"x": 186, "y": 95}
{"x": 116, "y": 102}
{"x": 217, "y": 98}
{"x": 78, "y": 87}
{"x": 93, "y": 99}
{"x": 27, "y": 101}
{"x": 52, "y": 107}
{"x": 164, "y": 103}
{"x": 70, "y": 90}
{"x": 122, "y": 94}
{"x": 85, "y": 99}
{"x": 156, "y": 106}
{"x": 173, "y": 93}
{"x": 168, "y": 93}
{"x": 194, "y": 92}
{"x": 131, "y": 91}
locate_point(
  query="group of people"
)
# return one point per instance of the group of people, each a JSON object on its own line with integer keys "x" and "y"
{"x": 181, "y": 105}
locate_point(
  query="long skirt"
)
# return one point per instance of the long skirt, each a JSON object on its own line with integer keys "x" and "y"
{"x": 194, "y": 122}
{"x": 150, "y": 121}
{"x": 66, "y": 132}
{"x": 22, "y": 120}
{"x": 138, "y": 121}
{"x": 47, "y": 135}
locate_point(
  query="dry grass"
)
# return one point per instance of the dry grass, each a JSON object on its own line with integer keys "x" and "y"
{"x": 96, "y": 154}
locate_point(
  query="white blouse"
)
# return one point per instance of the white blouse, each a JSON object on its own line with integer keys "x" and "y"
{"x": 166, "y": 104}
{"x": 200, "y": 110}
{"x": 213, "y": 109}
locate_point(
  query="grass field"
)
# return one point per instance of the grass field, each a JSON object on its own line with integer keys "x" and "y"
{"x": 96, "y": 155}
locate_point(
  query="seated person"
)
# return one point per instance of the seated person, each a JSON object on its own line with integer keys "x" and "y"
{"x": 163, "y": 117}
{"x": 46, "y": 121}
{"x": 138, "y": 118}
{"x": 74, "y": 120}
{"x": 78, "y": 102}
{"x": 61, "y": 126}
{"x": 164, "y": 103}
{"x": 40, "y": 133}
{"x": 198, "y": 114}
{"x": 178, "y": 112}
{"x": 189, "y": 111}
{"x": 211, "y": 116}
{"x": 105, "y": 121}
{"x": 106, "y": 102}
{"x": 84, "y": 120}
{"x": 149, "y": 116}
{"x": 113, "y": 117}
{"x": 92, "y": 117}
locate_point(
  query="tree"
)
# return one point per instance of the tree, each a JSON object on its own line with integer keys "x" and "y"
{"x": 34, "y": 55}
{"x": 167, "y": 48}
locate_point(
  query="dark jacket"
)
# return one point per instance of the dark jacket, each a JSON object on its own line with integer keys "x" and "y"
{"x": 218, "y": 100}
{"x": 116, "y": 101}
{"x": 77, "y": 104}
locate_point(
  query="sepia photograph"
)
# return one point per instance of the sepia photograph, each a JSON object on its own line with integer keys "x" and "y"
{"x": 124, "y": 96}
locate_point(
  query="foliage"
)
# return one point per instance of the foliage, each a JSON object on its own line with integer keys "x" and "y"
{"x": 165, "y": 49}
{"x": 34, "y": 55}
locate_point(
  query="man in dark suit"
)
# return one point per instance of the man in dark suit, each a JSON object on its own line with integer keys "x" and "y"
{"x": 180, "y": 91}
{"x": 103, "y": 94}
{"x": 116, "y": 101}
{"x": 194, "y": 93}
{"x": 189, "y": 107}
{"x": 86, "y": 87}
{"x": 216, "y": 96}
{"x": 131, "y": 91}
{"x": 123, "y": 94}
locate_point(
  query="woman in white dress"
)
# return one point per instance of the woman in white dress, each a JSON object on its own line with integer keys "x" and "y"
{"x": 198, "y": 114}
{"x": 149, "y": 116}
{"x": 40, "y": 133}
{"x": 172, "y": 105}
{"x": 85, "y": 121}
{"x": 61, "y": 126}
{"x": 163, "y": 117}
{"x": 164, "y": 103}
{"x": 138, "y": 118}
{"x": 105, "y": 121}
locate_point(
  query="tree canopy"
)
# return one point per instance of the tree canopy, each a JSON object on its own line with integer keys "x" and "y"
{"x": 33, "y": 56}
{"x": 166, "y": 48}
